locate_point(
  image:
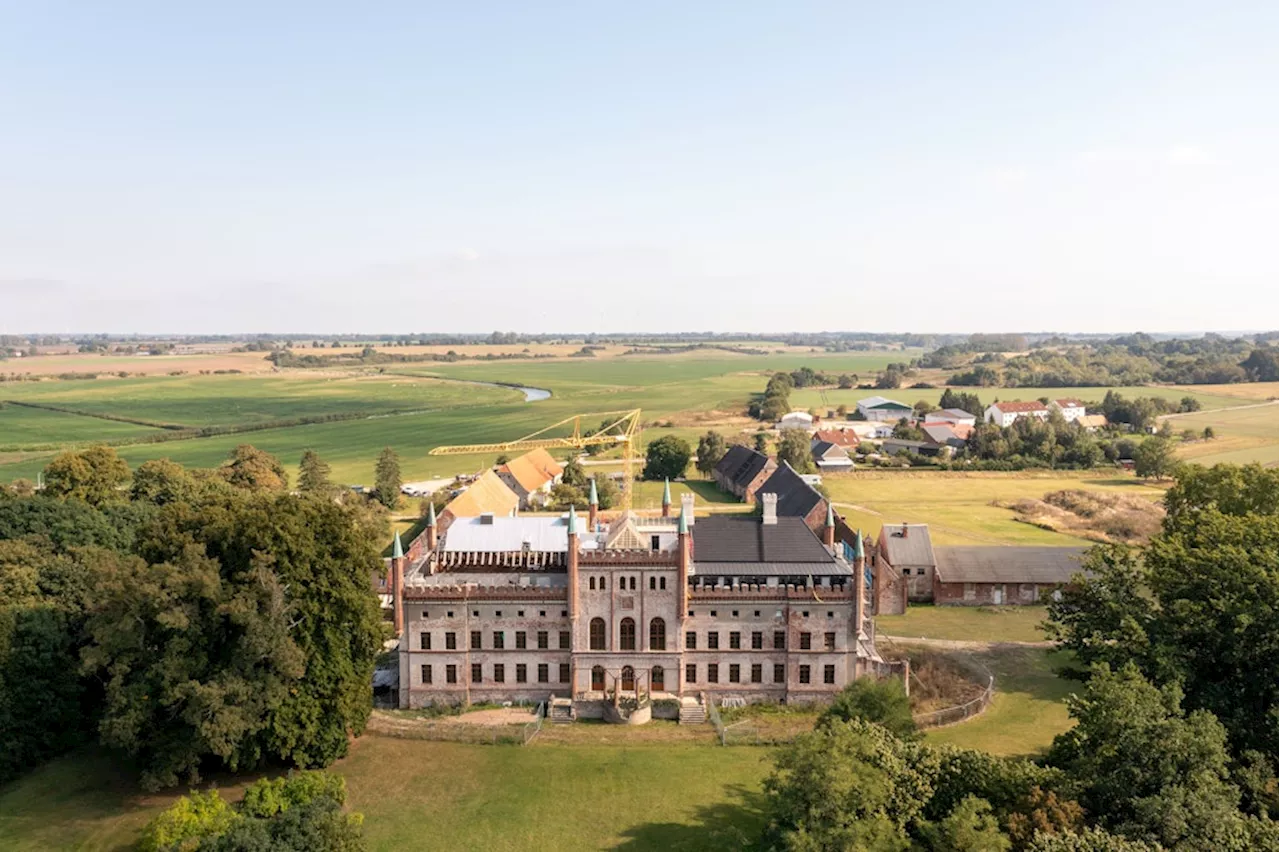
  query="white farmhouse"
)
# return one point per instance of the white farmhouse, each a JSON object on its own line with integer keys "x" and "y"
{"x": 796, "y": 420}
{"x": 1070, "y": 409}
{"x": 1004, "y": 413}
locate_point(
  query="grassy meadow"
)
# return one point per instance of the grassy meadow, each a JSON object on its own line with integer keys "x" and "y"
{"x": 966, "y": 623}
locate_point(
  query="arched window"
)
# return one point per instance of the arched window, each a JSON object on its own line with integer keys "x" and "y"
{"x": 597, "y": 634}
{"x": 604, "y": 584}
{"x": 658, "y": 679}
{"x": 628, "y": 679}
{"x": 592, "y": 582}
{"x": 597, "y": 678}
{"x": 627, "y": 634}
{"x": 657, "y": 635}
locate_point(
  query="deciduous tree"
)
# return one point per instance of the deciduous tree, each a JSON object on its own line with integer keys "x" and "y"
{"x": 667, "y": 458}
{"x": 251, "y": 469}
{"x": 793, "y": 448}
{"x": 93, "y": 475}
{"x": 711, "y": 448}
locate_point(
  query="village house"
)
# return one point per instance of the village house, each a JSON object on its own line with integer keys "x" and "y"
{"x": 830, "y": 457}
{"x": 905, "y": 567}
{"x": 976, "y": 576}
{"x": 954, "y": 416}
{"x": 844, "y": 436}
{"x": 1004, "y": 413}
{"x": 1070, "y": 409}
{"x": 742, "y": 471}
{"x": 893, "y": 446}
{"x": 531, "y": 476}
{"x": 488, "y": 495}
{"x": 1092, "y": 422}
{"x": 880, "y": 408}
{"x": 944, "y": 435}
{"x": 601, "y": 618}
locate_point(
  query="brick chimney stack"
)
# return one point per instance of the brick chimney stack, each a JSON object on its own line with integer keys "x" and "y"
{"x": 829, "y": 531}
{"x": 904, "y": 529}
{"x": 666, "y": 498}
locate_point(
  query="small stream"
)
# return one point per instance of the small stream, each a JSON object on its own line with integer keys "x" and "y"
{"x": 530, "y": 394}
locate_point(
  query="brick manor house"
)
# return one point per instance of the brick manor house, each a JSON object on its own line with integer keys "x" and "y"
{"x": 586, "y": 612}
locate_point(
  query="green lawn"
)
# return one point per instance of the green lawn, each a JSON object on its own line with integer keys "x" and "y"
{"x": 446, "y": 796}
{"x": 35, "y": 427}
{"x": 966, "y": 623}
{"x": 1240, "y": 436}
{"x": 962, "y": 508}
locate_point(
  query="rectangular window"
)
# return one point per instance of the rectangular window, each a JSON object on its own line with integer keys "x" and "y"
{"x": 757, "y": 673}
{"x": 662, "y": 583}
{"x": 804, "y": 674}
{"x": 713, "y": 673}
{"x": 451, "y": 641}
{"x": 499, "y": 673}
{"x": 543, "y": 640}
{"x": 544, "y": 673}
{"x": 779, "y": 673}
{"x": 564, "y": 640}
{"x": 451, "y": 674}
{"x": 780, "y": 640}
{"x": 713, "y": 640}
{"x": 735, "y": 640}
{"x": 691, "y": 640}
{"x": 522, "y": 640}
{"x": 828, "y": 674}
{"x": 757, "y": 641}
{"x": 475, "y": 640}
{"x": 829, "y": 640}
{"x": 906, "y": 572}
{"x": 654, "y": 542}
{"x": 499, "y": 640}
{"x": 424, "y": 641}
{"x": 690, "y": 672}
{"x": 477, "y": 673}
{"x": 735, "y": 673}
{"x": 564, "y": 672}
{"x": 522, "y": 673}
{"x": 806, "y": 641}
{"x": 426, "y": 674}
{"x": 653, "y": 583}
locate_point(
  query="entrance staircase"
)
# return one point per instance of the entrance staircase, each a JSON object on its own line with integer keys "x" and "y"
{"x": 692, "y": 712}
{"x": 560, "y": 711}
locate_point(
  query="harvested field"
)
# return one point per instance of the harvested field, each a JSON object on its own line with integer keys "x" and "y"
{"x": 141, "y": 365}
{"x": 1094, "y": 515}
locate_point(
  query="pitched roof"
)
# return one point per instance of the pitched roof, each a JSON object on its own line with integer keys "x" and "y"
{"x": 488, "y": 494}
{"x": 950, "y": 414}
{"x": 1018, "y": 405}
{"x": 741, "y": 464}
{"x": 1069, "y": 403}
{"x": 796, "y": 498}
{"x": 881, "y": 402}
{"x": 1096, "y": 421}
{"x": 914, "y": 549}
{"x": 827, "y": 450}
{"x": 1008, "y": 564}
{"x": 939, "y": 433}
{"x": 507, "y": 535}
{"x": 533, "y": 469}
{"x": 840, "y": 437}
{"x": 747, "y": 540}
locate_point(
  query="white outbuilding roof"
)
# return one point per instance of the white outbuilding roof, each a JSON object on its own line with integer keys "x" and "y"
{"x": 507, "y": 535}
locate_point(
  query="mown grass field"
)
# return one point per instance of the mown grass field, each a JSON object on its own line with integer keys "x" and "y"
{"x": 1242, "y": 435}
{"x": 963, "y": 508}
{"x": 966, "y": 623}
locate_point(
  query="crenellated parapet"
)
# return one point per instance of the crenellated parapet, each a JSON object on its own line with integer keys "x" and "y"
{"x": 481, "y": 593}
{"x": 789, "y": 593}
{"x": 603, "y": 558}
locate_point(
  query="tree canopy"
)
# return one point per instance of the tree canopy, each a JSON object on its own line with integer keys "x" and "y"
{"x": 793, "y": 448}
{"x": 667, "y": 458}
{"x": 711, "y": 449}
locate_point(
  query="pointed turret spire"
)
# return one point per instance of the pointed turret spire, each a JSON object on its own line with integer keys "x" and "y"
{"x": 431, "y": 514}
{"x": 573, "y": 521}
{"x": 595, "y": 498}
{"x": 683, "y": 527}
{"x": 831, "y": 516}
{"x": 397, "y": 549}
{"x": 858, "y": 552}
{"x": 666, "y": 492}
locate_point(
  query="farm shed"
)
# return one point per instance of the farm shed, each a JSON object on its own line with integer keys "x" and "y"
{"x": 977, "y": 576}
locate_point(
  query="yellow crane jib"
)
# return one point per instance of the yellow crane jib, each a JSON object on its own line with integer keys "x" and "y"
{"x": 616, "y": 428}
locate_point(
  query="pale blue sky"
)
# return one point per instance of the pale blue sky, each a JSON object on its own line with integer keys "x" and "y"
{"x": 1089, "y": 166}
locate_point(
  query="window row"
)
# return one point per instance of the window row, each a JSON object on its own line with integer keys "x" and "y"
{"x": 542, "y": 640}
{"x": 757, "y": 640}
{"x": 657, "y": 679}
{"x": 497, "y": 613}
{"x": 498, "y": 674}
{"x": 756, "y": 673}
{"x": 626, "y": 584}
{"x": 777, "y": 613}
{"x": 598, "y": 638}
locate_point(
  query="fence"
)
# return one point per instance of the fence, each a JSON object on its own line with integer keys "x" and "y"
{"x": 532, "y": 729}
{"x": 952, "y": 715}
{"x": 713, "y": 715}
{"x": 423, "y": 729}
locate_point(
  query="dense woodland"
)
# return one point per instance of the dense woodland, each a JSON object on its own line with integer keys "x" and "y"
{"x": 188, "y": 619}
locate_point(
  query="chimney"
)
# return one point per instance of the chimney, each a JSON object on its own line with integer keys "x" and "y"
{"x": 829, "y": 531}
{"x": 684, "y": 555}
{"x": 593, "y": 507}
{"x": 571, "y": 563}
{"x": 432, "y": 529}
{"x": 397, "y": 586}
{"x": 769, "y": 503}
{"x": 686, "y": 507}
{"x": 904, "y": 529}
{"x": 666, "y": 498}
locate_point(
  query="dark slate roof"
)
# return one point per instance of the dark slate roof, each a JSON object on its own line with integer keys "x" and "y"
{"x": 820, "y": 450}
{"x": 742, "y": 540}
{"x": 1008, "y": 564}
{"x": 796, "y": 498}
{"x": 741, "y": 464}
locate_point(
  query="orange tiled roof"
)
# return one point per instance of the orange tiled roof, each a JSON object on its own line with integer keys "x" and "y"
{"x": 486, "y": 494}
{"x": 1018, "y": 405}
{"x": 839, "y": 437}
{"x": 533, "y": 469}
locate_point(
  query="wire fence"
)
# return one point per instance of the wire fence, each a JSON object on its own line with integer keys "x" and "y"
{"x": 453, "y": 731}
{"x": 960, "y": 712}
{"x": 532, "y": 729}
{"x": 713, "y": 715}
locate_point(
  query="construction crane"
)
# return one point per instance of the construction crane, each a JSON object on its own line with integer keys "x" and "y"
{"x": 616, "y": 429}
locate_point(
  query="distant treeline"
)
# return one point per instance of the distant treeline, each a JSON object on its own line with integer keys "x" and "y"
{"x": 370, "y": 356}
{"x": 1132, "y": 360}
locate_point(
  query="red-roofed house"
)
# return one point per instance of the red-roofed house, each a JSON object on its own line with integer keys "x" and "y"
{"x": 1070, "y": 409}
{"x": 846, "y": 438}
{"x": 1004, "y": 413}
